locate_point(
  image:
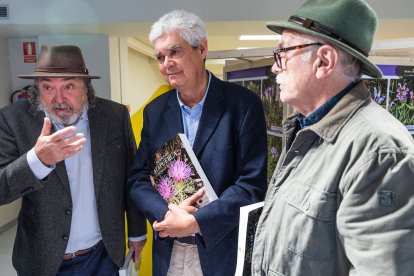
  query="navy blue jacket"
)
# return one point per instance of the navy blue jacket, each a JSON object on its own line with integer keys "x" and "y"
{"x": 231, "y": 147}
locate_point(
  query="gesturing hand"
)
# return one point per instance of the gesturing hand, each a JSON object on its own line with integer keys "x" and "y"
{"x": 53, "y": 148}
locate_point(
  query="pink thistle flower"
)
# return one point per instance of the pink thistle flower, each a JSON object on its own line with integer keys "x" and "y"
{"x": 166, "y": 188}
{"x": 179, "y": 170}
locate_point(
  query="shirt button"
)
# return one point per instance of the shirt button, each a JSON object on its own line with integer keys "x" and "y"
{"x": 68, "y": 212}
{"x": 65, "y": 237}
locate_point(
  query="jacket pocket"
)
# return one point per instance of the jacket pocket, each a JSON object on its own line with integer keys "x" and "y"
{"x": 308, "y": 227}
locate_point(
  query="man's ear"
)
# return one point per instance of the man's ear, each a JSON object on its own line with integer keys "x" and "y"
{"x": 203, "y": 47}
{"x": 326, "y": 61}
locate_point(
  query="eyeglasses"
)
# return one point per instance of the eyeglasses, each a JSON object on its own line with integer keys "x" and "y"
{"x": 278, "y": 58}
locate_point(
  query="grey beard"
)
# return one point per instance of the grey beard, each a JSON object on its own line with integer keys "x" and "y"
{"x": 62, "y": 121}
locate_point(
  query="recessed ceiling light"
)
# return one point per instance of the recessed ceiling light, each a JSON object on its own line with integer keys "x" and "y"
{"x": 260, "y": 37}
{"x": 245, "y": 48}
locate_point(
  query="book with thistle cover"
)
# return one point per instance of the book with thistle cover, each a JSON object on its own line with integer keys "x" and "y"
{"x": 249, "y": 217}
{"x": 176, "y": 173}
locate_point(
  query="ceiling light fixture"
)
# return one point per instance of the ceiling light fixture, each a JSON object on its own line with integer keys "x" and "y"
{"x": 245, "y": 48}
{"x": 260, "y": 37}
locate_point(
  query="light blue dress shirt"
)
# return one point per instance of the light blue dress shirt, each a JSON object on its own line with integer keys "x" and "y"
{"x": 84, "y": 231}
{"x": 191, "y": 115}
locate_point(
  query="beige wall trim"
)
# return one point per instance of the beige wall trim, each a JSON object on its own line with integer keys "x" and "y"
{"x": 141, "y": 47}
{"x": 7, "y": 226}
{"x": 241, "y": 54}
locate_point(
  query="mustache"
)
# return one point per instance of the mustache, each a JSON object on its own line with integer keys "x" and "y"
{"x": 279, "y": 79}
{"x": 63, "y": 106}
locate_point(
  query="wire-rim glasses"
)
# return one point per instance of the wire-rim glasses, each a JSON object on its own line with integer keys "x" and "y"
{"x": 278, "y": 58}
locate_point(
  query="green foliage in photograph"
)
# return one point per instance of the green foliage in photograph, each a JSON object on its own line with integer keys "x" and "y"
{"x": 274, "y": 148}
{"x": 401, "y": 103}
{"x": 378, "y": 90}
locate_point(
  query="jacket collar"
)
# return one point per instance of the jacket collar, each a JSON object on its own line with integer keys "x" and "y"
{"x": 212, "y": 110}
{"x": 332, "y": 123}
{"x": 98, "y": 127}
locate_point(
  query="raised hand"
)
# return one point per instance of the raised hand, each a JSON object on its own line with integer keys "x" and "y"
{"x": 53, "y": 148}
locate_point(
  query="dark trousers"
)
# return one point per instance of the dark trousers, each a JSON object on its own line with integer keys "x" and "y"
{"x": 94, "y": 262}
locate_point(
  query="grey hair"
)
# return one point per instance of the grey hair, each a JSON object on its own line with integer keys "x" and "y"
{"x": 35, "y": 95}
{"x": 190, "y": 27}
{"x": 351, "y": 66}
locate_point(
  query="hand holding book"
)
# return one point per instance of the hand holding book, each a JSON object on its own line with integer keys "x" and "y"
{"x": 177, "y": 223}
{"x": 190, "y": 203}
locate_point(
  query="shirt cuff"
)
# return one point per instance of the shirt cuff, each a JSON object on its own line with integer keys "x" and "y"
{"x": 137, "y": 239}
{"x": 39, "y": 169}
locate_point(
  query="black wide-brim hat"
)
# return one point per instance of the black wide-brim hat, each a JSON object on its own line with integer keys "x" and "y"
{"x": 63, "y": 61}
{"x": 348, "y": 24}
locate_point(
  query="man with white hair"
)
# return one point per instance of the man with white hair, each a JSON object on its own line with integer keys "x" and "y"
{"x": 225, "y": 125}
{"x": 341, "y": 200}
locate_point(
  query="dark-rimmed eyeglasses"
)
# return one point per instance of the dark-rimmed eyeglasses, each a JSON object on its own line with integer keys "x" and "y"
{"x": 278, "y": 58}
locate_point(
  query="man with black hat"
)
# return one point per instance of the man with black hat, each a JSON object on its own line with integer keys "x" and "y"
{"x": 66, "y": 154}
{"x": 341, "y": 200}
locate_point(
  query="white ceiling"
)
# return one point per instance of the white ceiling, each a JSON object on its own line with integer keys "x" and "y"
{"x": 225, "y": 20}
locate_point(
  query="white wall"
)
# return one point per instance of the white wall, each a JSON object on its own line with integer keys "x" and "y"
{"x": 144, "y": 79}
{"x": 17, "y": 65}
{"x": 7, "y": 212}
{"x": 5, "y": 85}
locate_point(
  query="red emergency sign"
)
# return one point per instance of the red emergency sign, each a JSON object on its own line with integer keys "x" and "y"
{"x": 29, "y": 52}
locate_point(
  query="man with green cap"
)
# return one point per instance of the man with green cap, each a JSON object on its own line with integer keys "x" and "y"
{"x": 341, "y": 200}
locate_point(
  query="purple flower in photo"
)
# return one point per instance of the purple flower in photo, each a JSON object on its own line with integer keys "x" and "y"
{"x": 402, "y": 92}
{"x": 269, "y": 92}
{"x": 166, "y": 188}
{"x": 412, "y": 97}
{"x": 377, "y": 96}
{"x": 274, "y": 152}
{"x": 179, "y": 171}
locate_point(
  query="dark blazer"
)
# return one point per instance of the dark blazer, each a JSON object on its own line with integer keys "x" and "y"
{"x": 45, "y": 216}
{"x": 231, "y": 147}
